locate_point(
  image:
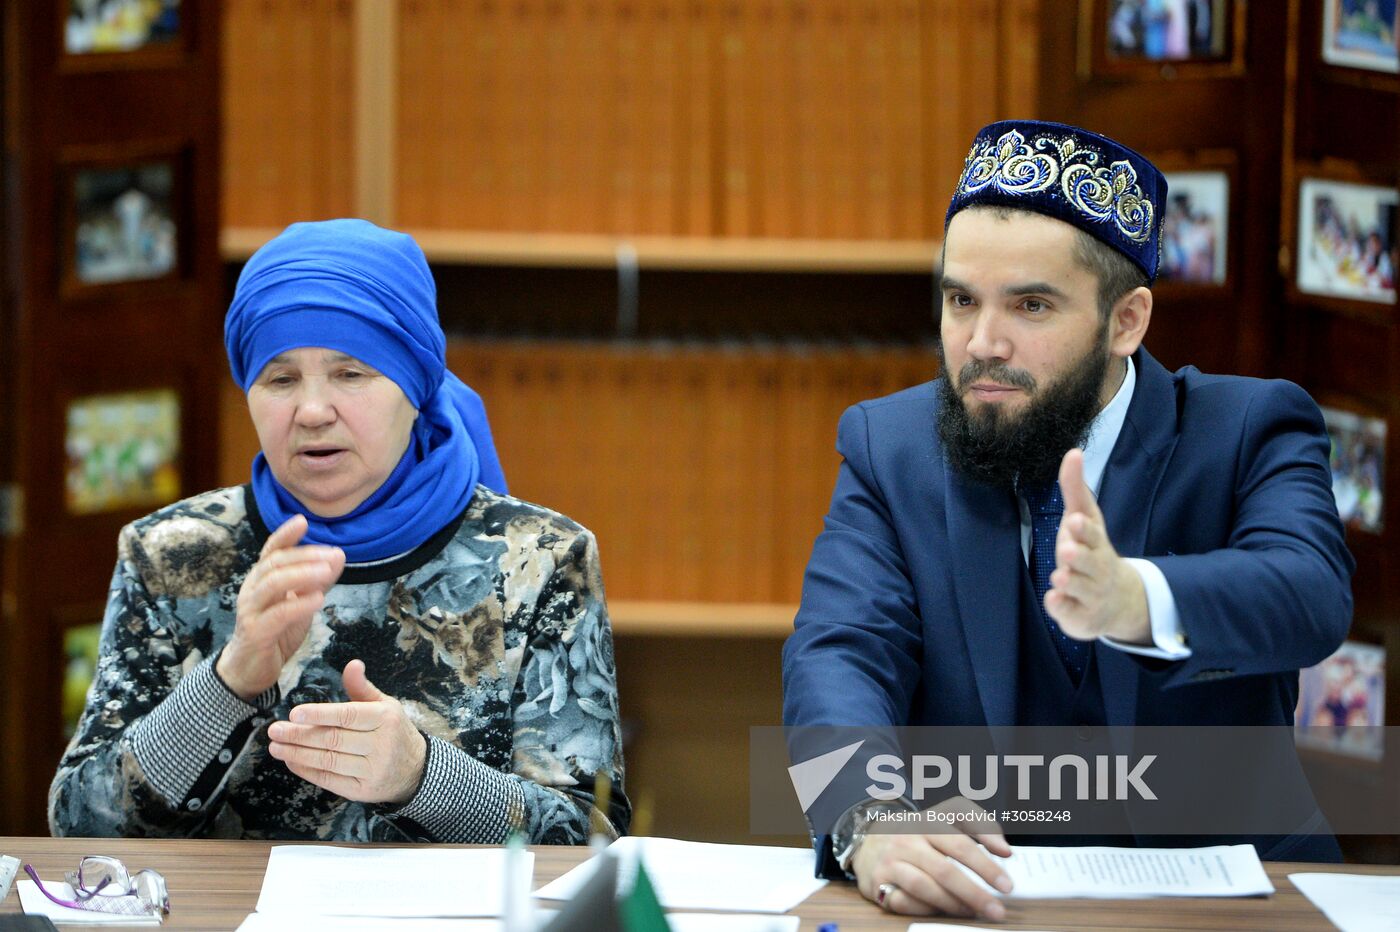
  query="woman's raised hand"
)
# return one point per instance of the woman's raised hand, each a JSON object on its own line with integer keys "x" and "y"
{"x": 366, "y": 749}
{"x": 280, "y": 595}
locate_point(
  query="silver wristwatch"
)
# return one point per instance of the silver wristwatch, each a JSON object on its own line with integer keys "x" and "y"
{"x": 850, "y": 828}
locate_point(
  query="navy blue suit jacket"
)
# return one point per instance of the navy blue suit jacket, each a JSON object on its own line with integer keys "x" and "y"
{"x": 909, "y": 607}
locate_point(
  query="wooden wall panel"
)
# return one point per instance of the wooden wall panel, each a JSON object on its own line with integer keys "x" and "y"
{"x": 288, "y": 141}
{"x": 769, "y": 118}
{"x": 704, "y": 472}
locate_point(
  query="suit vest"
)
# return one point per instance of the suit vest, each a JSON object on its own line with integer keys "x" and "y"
{"x": 1046, "y": 696}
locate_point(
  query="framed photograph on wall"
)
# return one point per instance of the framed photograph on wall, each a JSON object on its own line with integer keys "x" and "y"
{"x": 1346, "y": 240}
{"x": 1196, "y": 228}
{"x": 1167, "y": 30}
{"x": 122, "y": 451}
{"x": 95, "y": 27}
{"x": 1357, "y": 459}
{"x": 123, "y": 221}
{"x": 1161, "y": 38}
{"x": 1341, "y": 702}
{"x": 1361, "y": 34}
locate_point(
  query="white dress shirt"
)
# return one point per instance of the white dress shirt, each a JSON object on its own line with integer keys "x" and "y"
{"x": 1169, "y": 640}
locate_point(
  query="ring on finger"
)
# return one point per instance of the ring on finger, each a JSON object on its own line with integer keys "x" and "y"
{"x": 883, "y": 893}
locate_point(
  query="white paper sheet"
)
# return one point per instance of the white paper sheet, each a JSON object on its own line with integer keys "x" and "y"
{"x": 697, "y": 875}
{"x": 270, "y": 922}
{"x": 731, "y": 922}
{"x": 680, "y": 922}
{"x": 1127, "y": 873}
{"x": 36, "y": 904}
{"x": 1354, "y": 902}
{"x": 407, "y": 882}
{"x": 943, "y": 927}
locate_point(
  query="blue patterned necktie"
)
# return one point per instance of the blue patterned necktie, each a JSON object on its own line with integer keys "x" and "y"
{"x": 1047, "y": 505}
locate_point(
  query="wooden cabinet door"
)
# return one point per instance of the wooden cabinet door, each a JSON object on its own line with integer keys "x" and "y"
{"x": 110, "y": 321}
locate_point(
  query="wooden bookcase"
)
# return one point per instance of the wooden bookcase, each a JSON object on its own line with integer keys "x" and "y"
{"x": 1342, "y": 335}
{"x": 110, "y": 309}
{"x": 1268, "y": 111}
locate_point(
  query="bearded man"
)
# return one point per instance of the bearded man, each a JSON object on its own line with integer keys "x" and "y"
{"x": 1059, "y": 531}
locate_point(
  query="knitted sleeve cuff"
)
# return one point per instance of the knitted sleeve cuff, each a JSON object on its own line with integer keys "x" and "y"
{"x": 461, "y": 800}
{"x": 194, "y": 736}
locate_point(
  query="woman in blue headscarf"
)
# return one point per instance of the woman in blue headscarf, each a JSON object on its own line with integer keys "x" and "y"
{"x": 371, "y": 640}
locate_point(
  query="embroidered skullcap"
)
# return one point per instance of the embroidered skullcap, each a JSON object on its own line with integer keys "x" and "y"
{"x": 1098, "y": 185}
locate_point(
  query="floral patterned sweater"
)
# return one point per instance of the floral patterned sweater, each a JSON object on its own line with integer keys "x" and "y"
{"x": 493, "y": 634}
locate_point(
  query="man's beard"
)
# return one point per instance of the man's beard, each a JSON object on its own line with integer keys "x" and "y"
{"x": 1000, "y": 449}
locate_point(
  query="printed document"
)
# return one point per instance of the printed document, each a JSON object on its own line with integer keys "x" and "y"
{"x": 1125, "y": 873}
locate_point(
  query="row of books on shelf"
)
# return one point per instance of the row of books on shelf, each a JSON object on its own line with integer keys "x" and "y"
{"x": 746, "y": 118}
{"x": 288, "y": 111}
{"x": 704, "y": 472}
{"x": 771, "y": 118}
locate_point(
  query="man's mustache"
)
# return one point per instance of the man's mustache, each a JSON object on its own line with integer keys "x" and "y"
{"x": 996, "y": 372}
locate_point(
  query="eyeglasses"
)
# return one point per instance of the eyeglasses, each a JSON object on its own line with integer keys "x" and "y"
{"x": 102, "y": 884}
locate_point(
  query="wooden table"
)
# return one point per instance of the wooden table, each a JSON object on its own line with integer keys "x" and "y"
{"x": 215, "y": 884}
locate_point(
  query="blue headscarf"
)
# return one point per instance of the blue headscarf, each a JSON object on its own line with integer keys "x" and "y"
{"x": 350, "y": 286}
